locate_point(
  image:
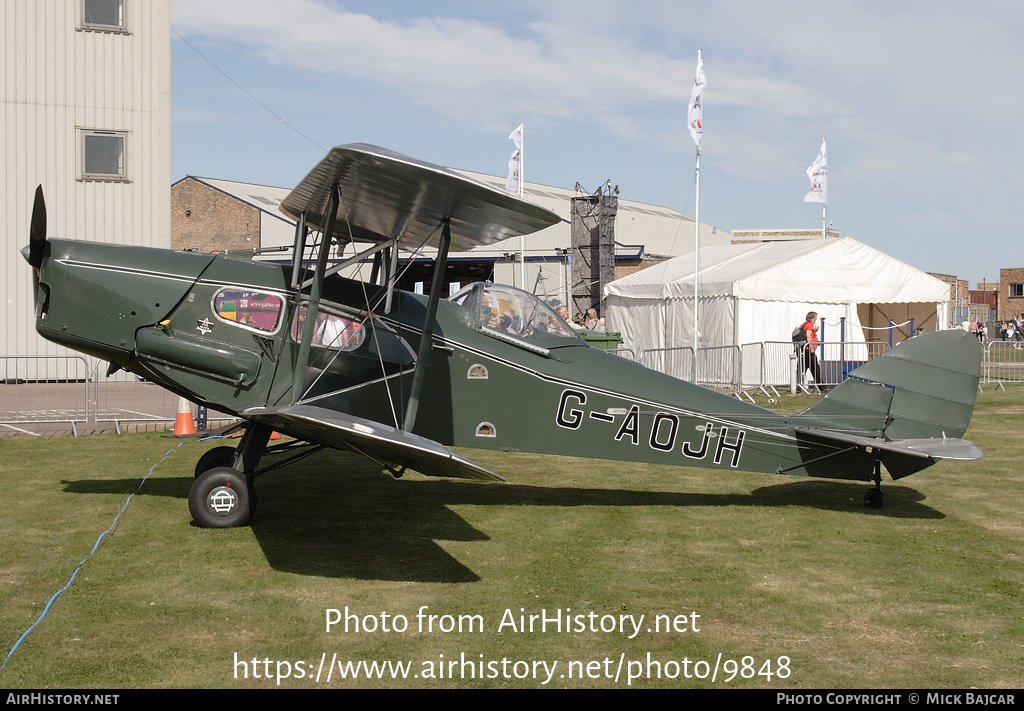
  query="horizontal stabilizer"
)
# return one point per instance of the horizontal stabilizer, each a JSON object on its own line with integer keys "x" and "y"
{"x": 373, "y": 439}
{"x": 928, "y": 448}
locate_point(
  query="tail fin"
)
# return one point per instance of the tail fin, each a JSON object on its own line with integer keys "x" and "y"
{"x": 924, "y": 387}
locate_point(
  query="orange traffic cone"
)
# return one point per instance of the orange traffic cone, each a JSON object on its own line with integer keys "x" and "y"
{"x": 275, "y": 435}
{"x": 183, "y": 424}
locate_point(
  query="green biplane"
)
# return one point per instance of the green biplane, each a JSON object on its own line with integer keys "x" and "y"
{"x": 400, "y": 377}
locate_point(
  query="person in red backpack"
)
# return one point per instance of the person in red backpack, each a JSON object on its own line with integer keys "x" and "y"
{"x": 810, "y": 357}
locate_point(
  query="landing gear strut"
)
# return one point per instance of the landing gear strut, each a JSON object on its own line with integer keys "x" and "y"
{"x": 873, "y": 497}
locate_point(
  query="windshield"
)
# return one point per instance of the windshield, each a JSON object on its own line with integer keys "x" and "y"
{"x": 505, "y": 310}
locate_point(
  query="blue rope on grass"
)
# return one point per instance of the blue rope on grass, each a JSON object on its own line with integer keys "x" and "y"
{"x": 80, "y": 565}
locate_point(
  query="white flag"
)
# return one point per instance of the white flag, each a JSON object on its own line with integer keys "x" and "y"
{"x": 512, "y": 184}
{"x": 695, "y": 111}
{"x": 818, "y": 173}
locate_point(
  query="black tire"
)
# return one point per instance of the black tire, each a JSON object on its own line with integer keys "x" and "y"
{"x": 216, "y": 457}
{"x": 219, "y": 498}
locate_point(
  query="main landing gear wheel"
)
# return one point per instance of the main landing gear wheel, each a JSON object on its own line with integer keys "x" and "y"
{"x": 216, "y": 457}
{"x": 221, "y": 498}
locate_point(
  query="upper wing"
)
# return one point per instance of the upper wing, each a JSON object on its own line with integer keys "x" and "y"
{"x": 386, "y": 195}
{"x": 373, "y": 439}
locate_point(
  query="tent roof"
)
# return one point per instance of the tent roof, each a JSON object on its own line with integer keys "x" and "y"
{"x": 816, "y": 271}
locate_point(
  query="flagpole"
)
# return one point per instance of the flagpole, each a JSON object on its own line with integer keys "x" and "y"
{"x": 818, "y": 174}
{"x": 515, "y": 173}
{"x": 522, "y": 238}
{"x": 824, "y": 207}
{"x": 696, "y": 240}
{"x": 696, "y": 260}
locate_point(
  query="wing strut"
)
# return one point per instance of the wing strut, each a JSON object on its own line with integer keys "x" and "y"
{"x": 299, "y": 250}
{"x": 309, "y": 327}
{"x": 338, "y": 266}
{"x": 426, "y": 341}
{"x": 392, "y": 279}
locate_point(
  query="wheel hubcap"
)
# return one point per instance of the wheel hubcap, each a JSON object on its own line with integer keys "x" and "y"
{"x": 222, "y": 501}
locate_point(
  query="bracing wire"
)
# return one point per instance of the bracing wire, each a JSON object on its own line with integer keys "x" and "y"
{"x": 370, "y": 307}
{"x": 246, "y": 91}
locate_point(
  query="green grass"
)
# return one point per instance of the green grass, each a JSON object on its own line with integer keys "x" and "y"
{"x": 924, "y": 593}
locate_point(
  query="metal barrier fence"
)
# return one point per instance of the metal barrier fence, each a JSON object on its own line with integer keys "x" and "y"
{"x": 66, "y": 389}
{"x": 719, "y": 368}
{"x": 58, "y": 389}
{"x": 1003, "y": 363}
{"x": 677, "y": 362}
{"x": 626, "y": 353}
{"x": 760, "y": 366}
{"x": 45, "y": 389}
{"x": 836, "y": 360}
{"x": 123, "y": 397}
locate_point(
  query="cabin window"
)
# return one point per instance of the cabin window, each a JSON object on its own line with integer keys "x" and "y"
{"x": 501, "y": 310}
{"x": 103, "y": 15}
{"x": 254, "y": 310}
{"x": 332, "y": 331}
{"x": 103, "y": 155}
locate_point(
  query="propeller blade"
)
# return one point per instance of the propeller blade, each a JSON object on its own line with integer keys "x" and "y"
{"x": 37, "y": 231}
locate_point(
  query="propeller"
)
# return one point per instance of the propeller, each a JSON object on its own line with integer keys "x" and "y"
{"x": 33, "y": 253}
{"x": 37, "y": 231}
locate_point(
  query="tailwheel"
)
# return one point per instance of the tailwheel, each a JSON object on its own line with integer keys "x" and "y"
{"x": 216, "y": 457}
{"x": 221, "y": 498}
{"x": 873, "y": 496}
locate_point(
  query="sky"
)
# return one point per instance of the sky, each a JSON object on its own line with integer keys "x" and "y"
{"x": 919, "y": 100}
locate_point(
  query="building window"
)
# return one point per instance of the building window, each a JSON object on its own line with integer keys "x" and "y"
{"x": 105, "y": 15}
{"x": 1017, "y": 290}
{"x": 103, "y": 155}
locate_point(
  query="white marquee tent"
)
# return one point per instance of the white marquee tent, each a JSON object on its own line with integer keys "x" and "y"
{"x": 753, "y": 293}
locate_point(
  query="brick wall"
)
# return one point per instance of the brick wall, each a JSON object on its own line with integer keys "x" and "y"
{"x": 208, "y": 220}
{"x": 625, "y": 267}
{"x": 1010, "y": 305}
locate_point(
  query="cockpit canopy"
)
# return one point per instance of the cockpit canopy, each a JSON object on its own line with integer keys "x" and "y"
{"x": 508, "y": 313}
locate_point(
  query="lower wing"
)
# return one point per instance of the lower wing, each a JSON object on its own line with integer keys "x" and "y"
{"x": 375, "y": 440}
